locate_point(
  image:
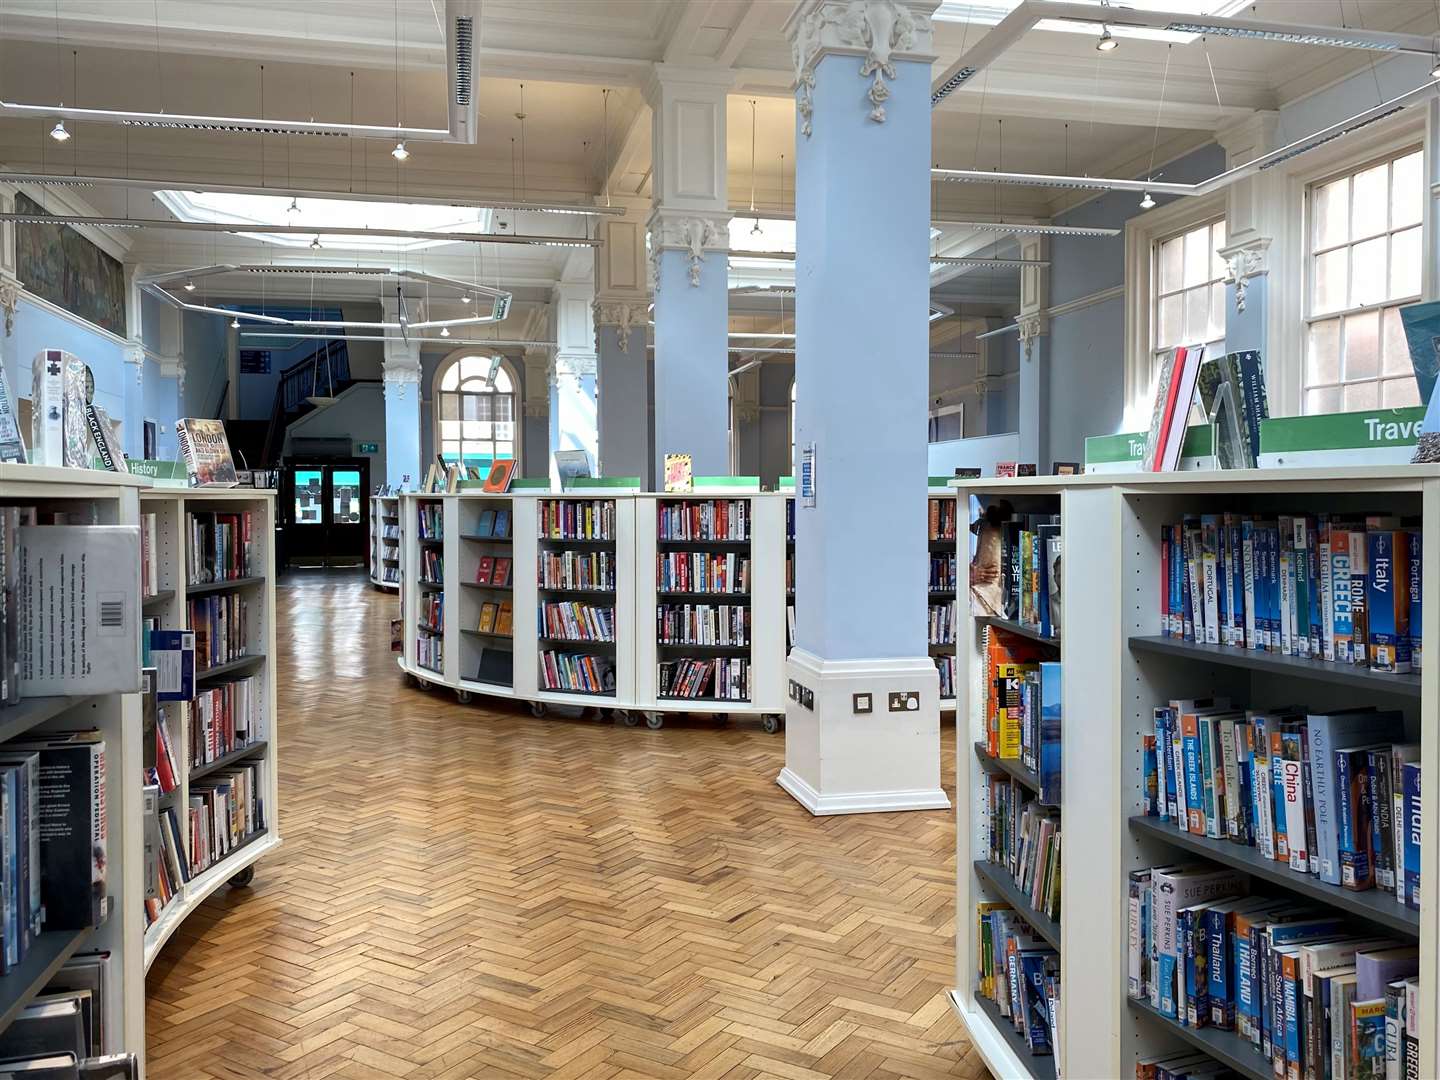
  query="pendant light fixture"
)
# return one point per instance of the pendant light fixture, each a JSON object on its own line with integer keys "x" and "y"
{"x": 1147, "y": 202}
{"x": 755, "y": 229}
{"x": 400, "y": 153}
{"x": 58, "y": 132}
{"x": 1107, "y": 42}
{"x": 234, "y": 324}
{"x": 315, "y": 244}
{"x": 444, "y": 331}
{"x": 189, "y": 286}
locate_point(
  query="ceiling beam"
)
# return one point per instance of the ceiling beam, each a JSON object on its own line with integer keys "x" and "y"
{"x": 679, "y": 45}
{"x": 740, "y": 35}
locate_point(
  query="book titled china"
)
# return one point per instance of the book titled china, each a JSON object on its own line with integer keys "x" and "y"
{"x": 206, "y": 453}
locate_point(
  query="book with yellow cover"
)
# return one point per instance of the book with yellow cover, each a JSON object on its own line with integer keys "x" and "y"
{"x": 488, "y": 613}
{"x": 504, "y": 622}
{"x": 1009, "y": 684}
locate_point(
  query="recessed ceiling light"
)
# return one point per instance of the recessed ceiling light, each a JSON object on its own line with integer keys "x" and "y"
{"x": 1147, "y": 202}
{"x": 400, "y": 153}
{"x": 58, "y": 132}
{"x": 1107, "y": 42}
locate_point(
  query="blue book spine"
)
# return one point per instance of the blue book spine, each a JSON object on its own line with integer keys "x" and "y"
{"x": 1167, "y": 985}
{"x": 1194, "y": 786}
{"x": 1389, "y": 629}
{"x": 1263, "y": 600}
{"x": 1190, "y": 924}
{"x": 1290, "y": 1006}
{"x": 1217, "y": 971}
{"x": 1237, "y": 586}
{"x": 1344, "y": 806}
{"x": 1412, "y": 836}
{"x": 1206, "y": 727}
{"x": 1222, "y": 584}
{"x": 1154, "y": 807}
{"x": 1245, "y": 1007}
{"x": 1162, "y": 746}
{"x": 1050, "y": 733}
{"x": 1416, "y": 578}
{"x": 1340, "y": 595}
{"x": 1244, "y": 766}
{"x": 1177, "y": 584}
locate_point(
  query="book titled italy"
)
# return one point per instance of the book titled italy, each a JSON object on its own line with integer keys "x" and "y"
{"x": 206, "y": 452}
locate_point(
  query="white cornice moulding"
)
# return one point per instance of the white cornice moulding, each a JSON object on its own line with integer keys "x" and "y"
{"x": 70, "y": 317}
{"x": 1089, "y": 300}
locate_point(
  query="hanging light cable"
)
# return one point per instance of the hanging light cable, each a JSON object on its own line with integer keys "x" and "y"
{"x": 755, "y": 229}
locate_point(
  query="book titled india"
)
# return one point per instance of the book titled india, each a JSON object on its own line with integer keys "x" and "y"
{"x": 206, "y": 453}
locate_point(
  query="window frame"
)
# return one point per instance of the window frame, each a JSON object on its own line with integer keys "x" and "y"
{"x": 437, "y": 395}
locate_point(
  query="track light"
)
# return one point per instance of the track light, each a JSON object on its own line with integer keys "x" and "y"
{"x": 400, "y": 153}
{"x": 58, "y": 132}
{"x": 234, "y": 324}
{"x": 1147, "y": 202}
{"x": 189, "y": 286}
{"x": 465, "y": 298}
{"x": 1107, "y": 42}
{"x": 444, "y": 331}
{"x": 755, "y": 229}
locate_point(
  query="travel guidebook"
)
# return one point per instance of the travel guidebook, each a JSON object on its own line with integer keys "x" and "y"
{"x": 206, "y": 452}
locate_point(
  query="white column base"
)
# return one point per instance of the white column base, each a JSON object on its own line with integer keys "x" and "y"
{"x": 838, "y": 761}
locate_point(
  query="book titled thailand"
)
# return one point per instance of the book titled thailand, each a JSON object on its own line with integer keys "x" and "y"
{"x": 206, "y": 453}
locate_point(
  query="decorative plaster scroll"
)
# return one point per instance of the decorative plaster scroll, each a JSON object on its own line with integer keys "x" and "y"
{"x": 134, "y": 355}
{"x": 875, "y": 30}
{"x": 9, "y": 298}
{"x": 1031, "y": 327}
{"x": 693, "y": 234}
{"x": 622, "y": 315}
{"x": 574, "y": 365}
{"x": 400, "y": 375}
{"x": 1242, "y": 264}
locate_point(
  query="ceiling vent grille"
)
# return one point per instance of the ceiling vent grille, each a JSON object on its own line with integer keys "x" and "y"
{"x": 464, "y": 58}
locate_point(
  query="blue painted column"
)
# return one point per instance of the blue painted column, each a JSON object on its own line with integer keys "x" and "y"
{"x": 403, "y": 468}
{"x": 692, "y": 327}
{"x": 623, "y": 393}
{"x": 862, "y": 375}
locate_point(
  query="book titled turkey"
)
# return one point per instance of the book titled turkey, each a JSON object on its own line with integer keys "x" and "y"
{"x": 206, "y": 453}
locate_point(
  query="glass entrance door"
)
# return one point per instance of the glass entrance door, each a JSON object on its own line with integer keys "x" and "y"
{"x": 327, "y": 512}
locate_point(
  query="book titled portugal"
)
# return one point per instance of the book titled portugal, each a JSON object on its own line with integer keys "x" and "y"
{"x": 206, "y": 452}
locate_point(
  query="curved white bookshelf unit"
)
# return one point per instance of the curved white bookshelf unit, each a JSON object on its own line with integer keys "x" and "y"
{"x": 384, "y": 542}
{"x": 181, "y": 597}
{"x": 585, "y": 601}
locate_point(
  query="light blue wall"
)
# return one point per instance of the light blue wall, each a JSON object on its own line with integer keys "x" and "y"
{"x": 204, "y": 351}
{"x": 37, "y": 329}
{"x": 162, "y": 404}
{"x": 358, "y": 415}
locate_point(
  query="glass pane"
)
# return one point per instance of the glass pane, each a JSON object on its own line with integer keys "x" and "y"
{"x": 1322, "y": 353}
{"x": 1396, "y": 360}
{"x": 449, "y": 407}
{"x": 504, "y": 407}
{"x": 1368, "y": 202}
{"x": 470, "y": 407}
{"x": 1197, "y": 257}
{"x": 1399, "y": 393}
{"x": 471, "y": 366}
{"x": 1324, "y": 400}
{"x": 1217, "y": 312}
{"x": 1362, "y": 346}
{"x": 1330, "y": 284}
{"x": 1171, "y": 252}
{"x": 1197, "y": 314}
{"x": 503, "y": 382}
{"x": 1367, "y": 272}
{"x": 450, "y": 449}
{"x": 1331, "y": 214}
{"x": 1404, "y": 264}
{"x": 449, "y": 429}
{"x": 309, "y": 510}
{"x": 1217, "y": 241}
{"x": 1171, "y": 314}
{"x": 1365, "y": 395}
{"x": 345, "y": 497}
{"x": 1407, "y": 191}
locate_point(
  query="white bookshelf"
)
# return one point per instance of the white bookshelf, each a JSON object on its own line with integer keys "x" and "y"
{"x": 1112, "y": 547}
{"x": 942, "y": 652}
{"x": 170, "y": 605}
{"x": 103, "y": 499}
{"x": 383, "y": 549}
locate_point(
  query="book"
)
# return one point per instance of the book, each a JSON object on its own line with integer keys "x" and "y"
{"x": 205, "y": 449}
{"x": 1326, "y": 732}
{"x": 1174, "y": 392}
{"x": 488, "y": 613}
{"x": 47, "y": 407}
{"x": 486, "y": 525}
{"x": 504, "y": 619}
{"x": 1388, "y": 598}
{"x": 679, "y": 474}
{"x": 12, "y": 443}
{"x": 485, "y": 571}
{"x": 1377, "y": 968}
{"x": 502, "y": 472}
{"x": 1367, "y": 1039}
{"x": 502, "y": 571}
{"x": 107, "y": 446}
{"x": 1410, "y": 825}
{"x": 502, "y": 523}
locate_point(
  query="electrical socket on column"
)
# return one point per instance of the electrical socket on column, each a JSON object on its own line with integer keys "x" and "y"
{"x": 905, "y": 701}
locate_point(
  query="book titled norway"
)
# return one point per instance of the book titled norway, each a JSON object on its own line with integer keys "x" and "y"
{"x": 73, "y": 827}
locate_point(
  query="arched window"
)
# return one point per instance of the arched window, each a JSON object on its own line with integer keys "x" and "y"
{"x": 475, "y": 410}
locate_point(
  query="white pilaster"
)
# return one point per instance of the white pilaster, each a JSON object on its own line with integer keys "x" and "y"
{"x": 572, "y": 373}
{"x": 403, "y": 467}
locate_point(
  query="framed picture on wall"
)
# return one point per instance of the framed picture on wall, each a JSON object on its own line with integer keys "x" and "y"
{"x": 150, "y": 438}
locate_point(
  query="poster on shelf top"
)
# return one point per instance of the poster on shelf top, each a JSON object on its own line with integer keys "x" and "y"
{"x": 205, "y": 449}
{"x": 571, "y": 465}
{"x": 679, "y": 473}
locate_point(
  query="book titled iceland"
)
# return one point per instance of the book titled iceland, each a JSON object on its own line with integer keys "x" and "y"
{"x": 206, "y": 452}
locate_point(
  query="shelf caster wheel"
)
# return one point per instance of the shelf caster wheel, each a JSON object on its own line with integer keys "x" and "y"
{"x": 464, "y": 697}
{"x": 243, "y": 879}
{"x": 770, "y": 724}
{"x": 631, "y": 718}
{"x": 654, "y": 720}
{"x": 422, "y": 684}
{"x": 538, "y": 709}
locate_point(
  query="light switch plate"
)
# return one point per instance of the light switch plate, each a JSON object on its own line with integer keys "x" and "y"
{"x": 863, "y": 703}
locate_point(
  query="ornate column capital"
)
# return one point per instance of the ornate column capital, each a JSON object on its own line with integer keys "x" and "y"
{"x": 694, "y": 232}
{"x": 879, "y": 32}
{"x": 1244, "y": 261}
{"x": 1031, "y": 328}
{"x": 399, "y": 377}
{"x": 10, "y": 289}
{"x": 623, "y": 315}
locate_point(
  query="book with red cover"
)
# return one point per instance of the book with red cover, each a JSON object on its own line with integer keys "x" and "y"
{"x": 497, "y": 481}
{"x": 502, "y": 571}
{"x": 486, "y": 570}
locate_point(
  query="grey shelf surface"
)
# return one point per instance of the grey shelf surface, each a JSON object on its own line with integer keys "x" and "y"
{"x": 1226, "y": 1047}
{"x": 1011, "y": 767}
{"x": 15, "y": 720}
{"x": 1001, "y": 881}
{"x": 488, "y": 635}
{"x": 239, "y": 754}
{"x": 1019, "y": 628}
{"x": 221, "y": 586}
{"x": 240, "y": 663}
{"x": 487, "y": 539}
{"x": 47, "y": 953}
{"x": 158, "y": 598}
{"x": 1041, "y": 1066}
{"x": 1373, "y": 905}
{"x": 486, "y": 585}
{"x": 1318, "y": 670}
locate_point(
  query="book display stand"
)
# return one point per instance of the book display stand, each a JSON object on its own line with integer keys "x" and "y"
{"x": 581, "y": 582}
{"x": 384, "y": 545}
{"x": 1128, "y": 667}
{"x": 182, "y": 593}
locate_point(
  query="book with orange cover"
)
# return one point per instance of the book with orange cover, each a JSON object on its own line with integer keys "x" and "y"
{"x": 1004, "y": 649}
{"x": 504, "y": 622}
{"x": 502, "y": 571}
{"x": 488, "y": 613}
{"x": 502, "y": 471}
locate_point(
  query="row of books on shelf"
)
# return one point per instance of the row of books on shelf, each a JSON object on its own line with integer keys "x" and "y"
{"x": 432, "y": 566}
{"x": 584, "y": 672}
{"x": 587, "y": 570}
{"x": 1321, "y": 587}
{"x": 430, "y": 652}
{"x": 226, "y": 809}
{"x": 944, "y": 514}
{"x": 158, "y": 759}
{"x": 1020, "y": 973}
{"x": 1183, "y": 1066}
{"x": 220, "y": 546}
{"x": 167, "y": 868}
{"x": 432, "y": 612}
{"x": 945, "y": 665}
{"x": 221, "y": 625}
{"x": 1016, "y": 571}
{"x": 1022, "y": 703}
{"x": 942, "y": 573}
{"x": 224, "y": 719}
{"x": 1024, "y": 838}
{"x": 1308, "y": 991}
{"x": 493, "y": 525}
{"x": 53, "y": 838}
{"x": 149, "y": 554}
{"x": 720, "y": 678}
{"x": 496, "y": 618}
{"x": 701, "y": 571}
{"x": 570, "y": 621}
{"x": 576, "y": 519}
{"x": 389, "y": 571}
{"x": 494, "y": 571}
{"x": 708, "y": 519}
{"x": 390, "y": 532}
{"x": 1335, "y": 795}
{"x": 430, "y": 518}
{"x": 61, "y": 1034}
{"x": 942, "y": 623}
{"x": 702, "y": 624}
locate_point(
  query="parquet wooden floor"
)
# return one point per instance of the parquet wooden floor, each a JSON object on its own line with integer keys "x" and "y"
{"x": 466, "y": 892}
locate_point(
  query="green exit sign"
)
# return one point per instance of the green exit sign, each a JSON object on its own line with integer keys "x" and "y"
{"x": 368, "y": 448}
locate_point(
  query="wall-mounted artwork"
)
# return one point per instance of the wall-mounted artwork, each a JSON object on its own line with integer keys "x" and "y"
{"x": 57, "y": 264}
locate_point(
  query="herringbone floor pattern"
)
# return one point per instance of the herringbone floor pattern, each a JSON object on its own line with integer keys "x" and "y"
{"x": 466, "y": 892}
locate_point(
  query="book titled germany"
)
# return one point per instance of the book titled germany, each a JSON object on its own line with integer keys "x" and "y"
{"x": 206, "y": 452}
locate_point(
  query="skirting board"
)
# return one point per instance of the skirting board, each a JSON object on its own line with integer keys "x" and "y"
{"x": 860, "y": 802}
